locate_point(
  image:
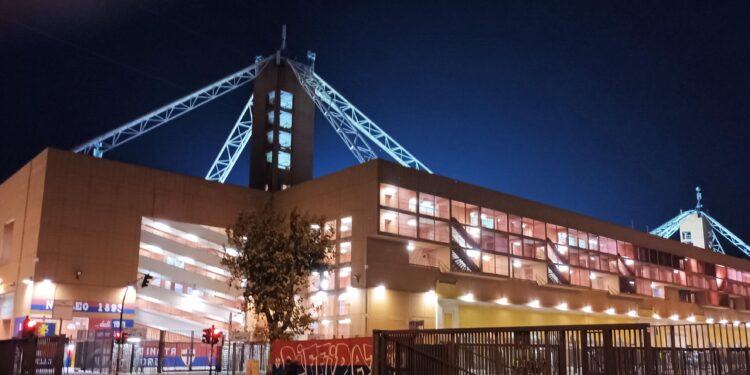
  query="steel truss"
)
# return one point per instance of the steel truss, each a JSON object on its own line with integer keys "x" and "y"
{"x": 669, "y": 228}
{"x": 338, "y": 120}
{"x": 133, "y": 129}
{"x": 354, "y": 128}
{"x": 235, "y": 143}
{"x": 354, "y": 117}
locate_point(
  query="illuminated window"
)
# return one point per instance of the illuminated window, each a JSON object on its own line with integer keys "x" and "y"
{"x": 345, "y": 229}
{"x": 269, "y": 157}
{"x": 287, "y": 100}
{"x": 285, "y": 160}
{"x": 515, "y": 224}
{"x": 285, "y": 139}
{"x": 271, "y": 97}
{"x": 427, "y": 229}
{"x": 487, "y": 217}
{"x": 285, "y": 119}
{"x": 431, "y": 205}
{"x": 442, "y": 231}
{"x": 407, "y": 225}
{"x": 345, "y": 252}
{"x": 388, "y": 195}
{"x": 389, "y": 221}
{"x": 271, "y": 117}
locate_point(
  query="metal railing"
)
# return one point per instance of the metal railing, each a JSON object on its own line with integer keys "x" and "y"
{"x": 30, "y": 356}
{"x": 617, "y": 349}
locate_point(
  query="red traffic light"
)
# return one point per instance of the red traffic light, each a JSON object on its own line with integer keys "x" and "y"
{"x": 28, "y": 329}
{"x": 217, "y": 332}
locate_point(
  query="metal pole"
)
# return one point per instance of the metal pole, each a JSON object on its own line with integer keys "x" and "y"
{"x": 119, "y": 346}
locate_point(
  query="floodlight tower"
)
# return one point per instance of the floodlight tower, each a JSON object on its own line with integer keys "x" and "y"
{"x": 281, "y": 152}
{"x": 698, "y": 228}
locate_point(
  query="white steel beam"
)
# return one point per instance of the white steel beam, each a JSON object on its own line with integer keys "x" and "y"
{"x": 669, "y": 228}
{"x": 133, "y": 129}
{"x": 731, "y": 237}
{"x": 349, "y": 134}
{"x": 356, "y": 118}
{"x": 235, "y": 143}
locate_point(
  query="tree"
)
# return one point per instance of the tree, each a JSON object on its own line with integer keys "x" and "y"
{"x": 275, "y": 256}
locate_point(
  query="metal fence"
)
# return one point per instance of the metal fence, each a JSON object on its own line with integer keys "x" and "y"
{"x": 153, "y": 352}
{"x": 622, "y": 349}
{"x": 43, "y": 355}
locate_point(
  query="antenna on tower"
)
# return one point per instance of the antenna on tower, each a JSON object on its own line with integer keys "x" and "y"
{"x": 283, "y": 37}
{"x": 699, "y": 197}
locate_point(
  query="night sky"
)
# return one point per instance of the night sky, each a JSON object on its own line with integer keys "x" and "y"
{"x": 612, "y": 110}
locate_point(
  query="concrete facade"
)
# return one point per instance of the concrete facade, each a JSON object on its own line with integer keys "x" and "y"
{"x": 78, "y": 227}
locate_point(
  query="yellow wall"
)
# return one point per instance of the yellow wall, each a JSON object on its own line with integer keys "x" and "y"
{"x": 481, "y": 316}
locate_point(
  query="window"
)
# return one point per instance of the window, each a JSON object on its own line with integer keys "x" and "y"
{"x": 271, "y": 98}
{"x": 396, "y": 197}
{"x": 501, "y": 243}
{"x": 271, "y": 117}
{"x": 285, "y": 119}
{"x": 487, "y": 217}
{"x": 501, "y": 221}
{"x": 557, "y": 234}
{"x": 388, "y": 196}
{"x": 285, "y": 139}
{"x": 407, "y": 225}
{"x": 465, "y": 213}
{"x": 431, "y": 205}
{"x": 345, "y": 230}
{"x": 593, "y": 242}
{"x": 345, "y": 252}
{"x": 488, "y": 240}
{"x": 285, "y": 160}
{"x": 687, "y": 296}
{"x": 515, "y": 246}
{"x": 389, "y": 221}
{"x": 287, "y": 100}
{"x": 269, "y": 157}
{"x": 442, "y": 231}
{"x": 427, "y": 229}
{"x": 345, "y": 279}
{"x": 687, "y": 236}
{"x": 515, "y": 224}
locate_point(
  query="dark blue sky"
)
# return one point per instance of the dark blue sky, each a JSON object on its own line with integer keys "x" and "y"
{"x": 613, "y": 110}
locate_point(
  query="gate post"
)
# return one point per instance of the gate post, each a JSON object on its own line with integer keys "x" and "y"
{"x": 160, "y": 355}
{"x": 610, "y": 364}
{"x": 584, "y": 351}
{"x": 377, "y": 351}
{"x": 562, "y": 360}
{"x": 650, "y": 366}
{"x": 191, "y": 355}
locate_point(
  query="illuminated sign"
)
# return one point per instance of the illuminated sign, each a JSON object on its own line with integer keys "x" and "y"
{"x": 39, "y": 304}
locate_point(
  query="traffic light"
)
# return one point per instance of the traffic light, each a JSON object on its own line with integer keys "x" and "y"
{"x": 121, "y": 337}
{"x": 146, "y": 279}
{"x": 215, "y": 335}
{"x": 206, "y": 339}
{"x": 29, "y": 328}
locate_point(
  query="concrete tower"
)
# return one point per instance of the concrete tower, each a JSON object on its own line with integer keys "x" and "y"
{"x": 283, "y": 127}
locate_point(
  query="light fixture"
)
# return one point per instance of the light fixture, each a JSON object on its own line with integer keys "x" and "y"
{"x": 232, "y": 252}
{"x": 632, "y": 313}
{"x": 516, "y": 263}
{"x": 629, "y": 262}
{"x": 587, "y": 309}
{"x": 723, "y": 321}
{"x": 654, "y": 286}
{"x": 412, "y": 222}
{"x": 710, "y": 321}
{"x": 315, "y": 226}
{"x": 27, "y": 280}
{"x": 736, "y": 323}
{"x": 502, "y": 301}
{"x": 691, "y": 319}
{"x": 592, "y": 276}
{"x": 674, "y": 317}
{"x": 379, "y": 291}
{"x": 562, "y": 307}
{"x": 161, "y": 226}
{"x": 430, "y": 296}
{"x": 468, "y": 297}
{"x": 410, "y": 247}
{"x": 656, "y": 316}
{"x": 610, "y": 311}
{"x": 190, "y": 237}
{"x": 534, "y": 304}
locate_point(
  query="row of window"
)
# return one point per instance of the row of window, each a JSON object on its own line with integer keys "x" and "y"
{"x": 286, "y": 104}
{"x": 417, "y": 215}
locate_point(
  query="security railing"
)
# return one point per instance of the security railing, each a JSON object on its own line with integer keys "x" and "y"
{"x": 617, "y": 349}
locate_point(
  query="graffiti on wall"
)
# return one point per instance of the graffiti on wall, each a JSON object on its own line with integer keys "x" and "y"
{"x": 337, "y": 356}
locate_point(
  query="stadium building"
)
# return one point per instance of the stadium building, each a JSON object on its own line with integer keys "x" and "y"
{"x": 413, "y": 249}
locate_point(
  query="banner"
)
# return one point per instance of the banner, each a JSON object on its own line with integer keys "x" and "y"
{"x": 336, "y": 356}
